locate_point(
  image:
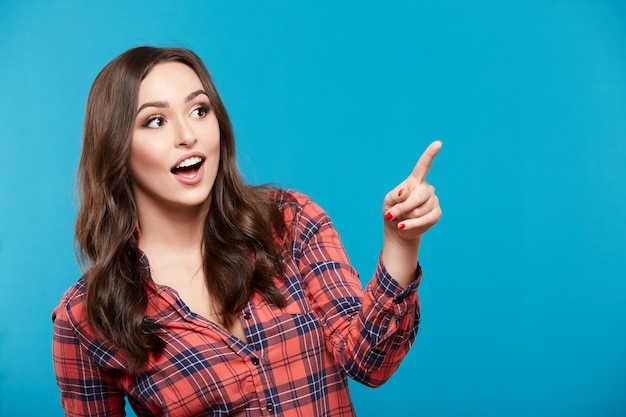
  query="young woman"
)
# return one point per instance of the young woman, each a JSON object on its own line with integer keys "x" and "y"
{"x": 204, "y": 296}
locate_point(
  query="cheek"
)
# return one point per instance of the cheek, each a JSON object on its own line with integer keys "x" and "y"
{"x": 144, "y": 156}
{"x": 213, "y": 143}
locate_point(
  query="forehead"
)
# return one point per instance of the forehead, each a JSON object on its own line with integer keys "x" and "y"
{"x": 168, "y": 81}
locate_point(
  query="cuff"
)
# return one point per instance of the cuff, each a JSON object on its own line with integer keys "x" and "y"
{"x": 388, "y": 287}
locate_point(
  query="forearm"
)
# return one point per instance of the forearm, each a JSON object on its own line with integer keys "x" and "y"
{"x": 400, "y": 257}
{"x": 383, "y": 331}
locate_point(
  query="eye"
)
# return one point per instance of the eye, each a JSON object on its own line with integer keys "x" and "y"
{"x": 154, "y": 122}
{"x": 200, "y": 111}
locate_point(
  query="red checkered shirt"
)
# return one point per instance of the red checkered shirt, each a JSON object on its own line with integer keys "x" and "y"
{"x": 295, "y": 362}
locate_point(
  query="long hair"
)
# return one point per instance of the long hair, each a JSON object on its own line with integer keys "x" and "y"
{"x": 245, "y": 238}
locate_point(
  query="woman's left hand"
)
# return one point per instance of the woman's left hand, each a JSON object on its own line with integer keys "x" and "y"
{"x": 412, "y": 207}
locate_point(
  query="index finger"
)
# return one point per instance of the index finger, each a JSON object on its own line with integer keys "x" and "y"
{"x": 423, "y": 164}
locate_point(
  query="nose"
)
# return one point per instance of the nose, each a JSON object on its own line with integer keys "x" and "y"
{"x": 184, "y": 134}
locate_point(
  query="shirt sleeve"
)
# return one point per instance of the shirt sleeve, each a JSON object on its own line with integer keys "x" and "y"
{"x": 86, "y": 388}
{"x": 367, "y": 332}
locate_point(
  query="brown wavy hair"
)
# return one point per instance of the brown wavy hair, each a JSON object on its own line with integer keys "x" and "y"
{"x": 244, "y": 238}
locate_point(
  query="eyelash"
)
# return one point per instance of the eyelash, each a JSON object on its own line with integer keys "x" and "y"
{"x": 151, "y": 119}
{"x": 203, "y": 107}
{"x": 206, "y": 109}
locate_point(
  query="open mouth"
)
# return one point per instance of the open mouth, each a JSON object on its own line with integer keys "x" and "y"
{"x": 189, "y": 166}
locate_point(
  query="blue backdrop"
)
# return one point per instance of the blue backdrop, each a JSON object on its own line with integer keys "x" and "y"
{"x": 524, "y": 293}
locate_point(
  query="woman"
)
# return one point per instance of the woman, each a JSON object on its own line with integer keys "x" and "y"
{"x": 204, "y": 296}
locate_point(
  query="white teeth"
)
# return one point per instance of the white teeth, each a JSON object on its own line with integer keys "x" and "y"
{"x": 189, "y": 162}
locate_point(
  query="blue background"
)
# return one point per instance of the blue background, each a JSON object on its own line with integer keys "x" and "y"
{"x": 524, "y": 293}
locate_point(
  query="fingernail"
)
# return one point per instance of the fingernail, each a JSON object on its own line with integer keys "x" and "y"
{"x": 401, "y": 226}
{"x": 400, "y": 192}
{"x": 388, "y": 216}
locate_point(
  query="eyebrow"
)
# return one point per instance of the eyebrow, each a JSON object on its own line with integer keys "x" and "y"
{"x": 164, "y": 104}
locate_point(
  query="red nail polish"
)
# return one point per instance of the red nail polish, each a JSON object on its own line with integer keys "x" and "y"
{"x": 400, "y": 192}
{"x": 401, "y": 226}
{"x": 388, "y": 216}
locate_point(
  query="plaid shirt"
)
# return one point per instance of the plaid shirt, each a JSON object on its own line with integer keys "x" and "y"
{"x": 296, "y": 359}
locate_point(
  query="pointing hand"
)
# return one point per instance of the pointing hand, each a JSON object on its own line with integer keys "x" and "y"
{"x": 412, "y": 207}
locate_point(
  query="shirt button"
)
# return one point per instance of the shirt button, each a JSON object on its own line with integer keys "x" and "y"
{"x": 247, "y": 315}
{"x": 255, "y": 361}
{"x": 270, "y": 407}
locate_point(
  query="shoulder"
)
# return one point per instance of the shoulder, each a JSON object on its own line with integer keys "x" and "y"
{"x": 302, "y": 215}
{"x": 286, "y": 197}
{"x": 295, "y": 204}
{"x": 71, "y": 313}
{"x": 74, "y": 296}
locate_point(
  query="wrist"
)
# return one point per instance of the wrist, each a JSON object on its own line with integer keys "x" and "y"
{"x": 400, "y": 257}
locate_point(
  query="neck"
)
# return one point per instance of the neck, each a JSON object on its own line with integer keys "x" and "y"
{"x": 171, "y": 232}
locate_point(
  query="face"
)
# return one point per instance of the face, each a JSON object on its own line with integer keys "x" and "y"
{"x": 175, "y": 144}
